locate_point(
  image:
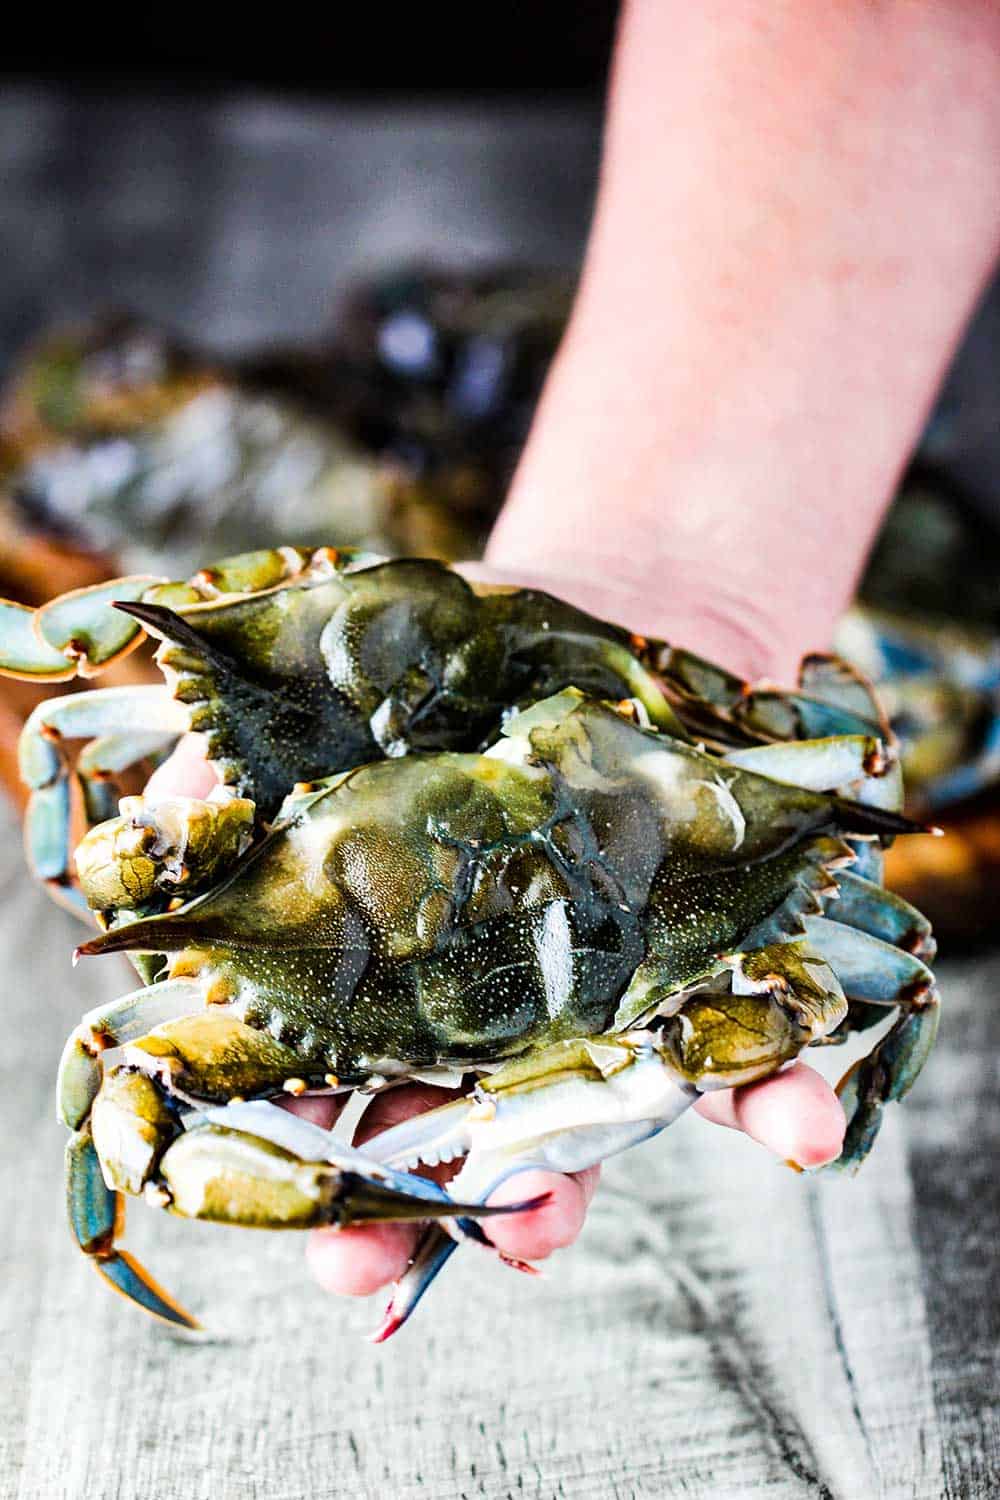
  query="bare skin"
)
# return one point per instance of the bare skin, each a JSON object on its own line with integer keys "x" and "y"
{"x": 798, "y": 209}
{"x": 797, "y": 212}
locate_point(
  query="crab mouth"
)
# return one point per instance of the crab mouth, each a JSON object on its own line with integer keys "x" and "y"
{"x": 435, "y": 1138}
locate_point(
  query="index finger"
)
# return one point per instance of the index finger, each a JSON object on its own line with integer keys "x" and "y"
{"x": 795, "y": 1114}
{"x": 187, "y": 772}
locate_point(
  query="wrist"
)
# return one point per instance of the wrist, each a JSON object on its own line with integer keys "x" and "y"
{"x": 655, "y": 596}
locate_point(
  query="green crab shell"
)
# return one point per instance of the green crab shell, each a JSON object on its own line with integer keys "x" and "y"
{"x": 293, "y": 666}
{"x": 327, "y": 672}
{"x": 468, "y": 908}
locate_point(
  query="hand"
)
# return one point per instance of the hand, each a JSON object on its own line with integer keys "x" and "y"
{"x": 794, "y": 1114}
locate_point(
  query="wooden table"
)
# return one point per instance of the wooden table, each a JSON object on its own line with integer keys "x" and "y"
{"x": 724, "y": 1328}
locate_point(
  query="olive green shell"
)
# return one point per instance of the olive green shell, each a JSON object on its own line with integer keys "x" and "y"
{"x": 338, "y": 668}
{"x": 467, "y": 907}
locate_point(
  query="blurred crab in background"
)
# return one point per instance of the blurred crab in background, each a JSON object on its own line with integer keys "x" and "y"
{"x": 926, "y": 630}
{"x": 462, "y": 835}
{"x": 399, "y": 433}
{"x": 119, "y": 441}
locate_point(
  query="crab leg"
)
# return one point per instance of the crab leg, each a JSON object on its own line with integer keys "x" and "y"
{"x": 144, "y": 720}
{"x": 791, "y": 715}
{"x": 879, "y": 974}
{"x": 74, "y": 633}
{"x": 84, "y": 628}
{"x": 882, "y": 914}
{"x": 113, "y": 753}
{"x": 122, "y": 1021}
{"x": 856, "y": 764}
{"x": 644, "y": 686}
{"x": 868, "y": 968}
{"x": 837, "y": 682}
{"x": 26, "y": 657}
{"x": 887, "y": 1073}
{"x": 105, "y": 758}
{"x": 832, "y": 700}
{"x": 817, "y": 765}
{"x": 97, "y": 1218}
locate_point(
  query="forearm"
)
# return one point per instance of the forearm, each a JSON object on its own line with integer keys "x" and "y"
{"x": 798, "y": 208}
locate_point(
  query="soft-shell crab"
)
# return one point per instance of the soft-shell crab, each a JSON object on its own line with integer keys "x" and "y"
{"x": 294, "y": 665}
{"x": 593, "y": 918}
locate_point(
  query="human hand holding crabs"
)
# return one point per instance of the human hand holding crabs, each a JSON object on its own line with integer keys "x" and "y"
{"x": 770, "y": 297}
{"x": 795, "y": 1114}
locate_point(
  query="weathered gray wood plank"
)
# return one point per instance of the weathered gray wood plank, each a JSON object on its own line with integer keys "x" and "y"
{"x": 955, "y": 1134}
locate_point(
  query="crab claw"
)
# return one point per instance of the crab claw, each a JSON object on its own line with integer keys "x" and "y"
{"x": 351, "y": 1186}
{"x": 248, "y": 1164}
{"x": 434, "y": 1248}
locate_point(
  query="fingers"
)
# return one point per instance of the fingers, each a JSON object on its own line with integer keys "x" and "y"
{"x": 554, "y": 1224}
{"x": 795, "y": 1114}
{"x": 185, "y": 773}
{"x": 356, "y": 1262}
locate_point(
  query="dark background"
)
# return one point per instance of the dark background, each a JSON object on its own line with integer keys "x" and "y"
{"x": 419, "y": 50}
